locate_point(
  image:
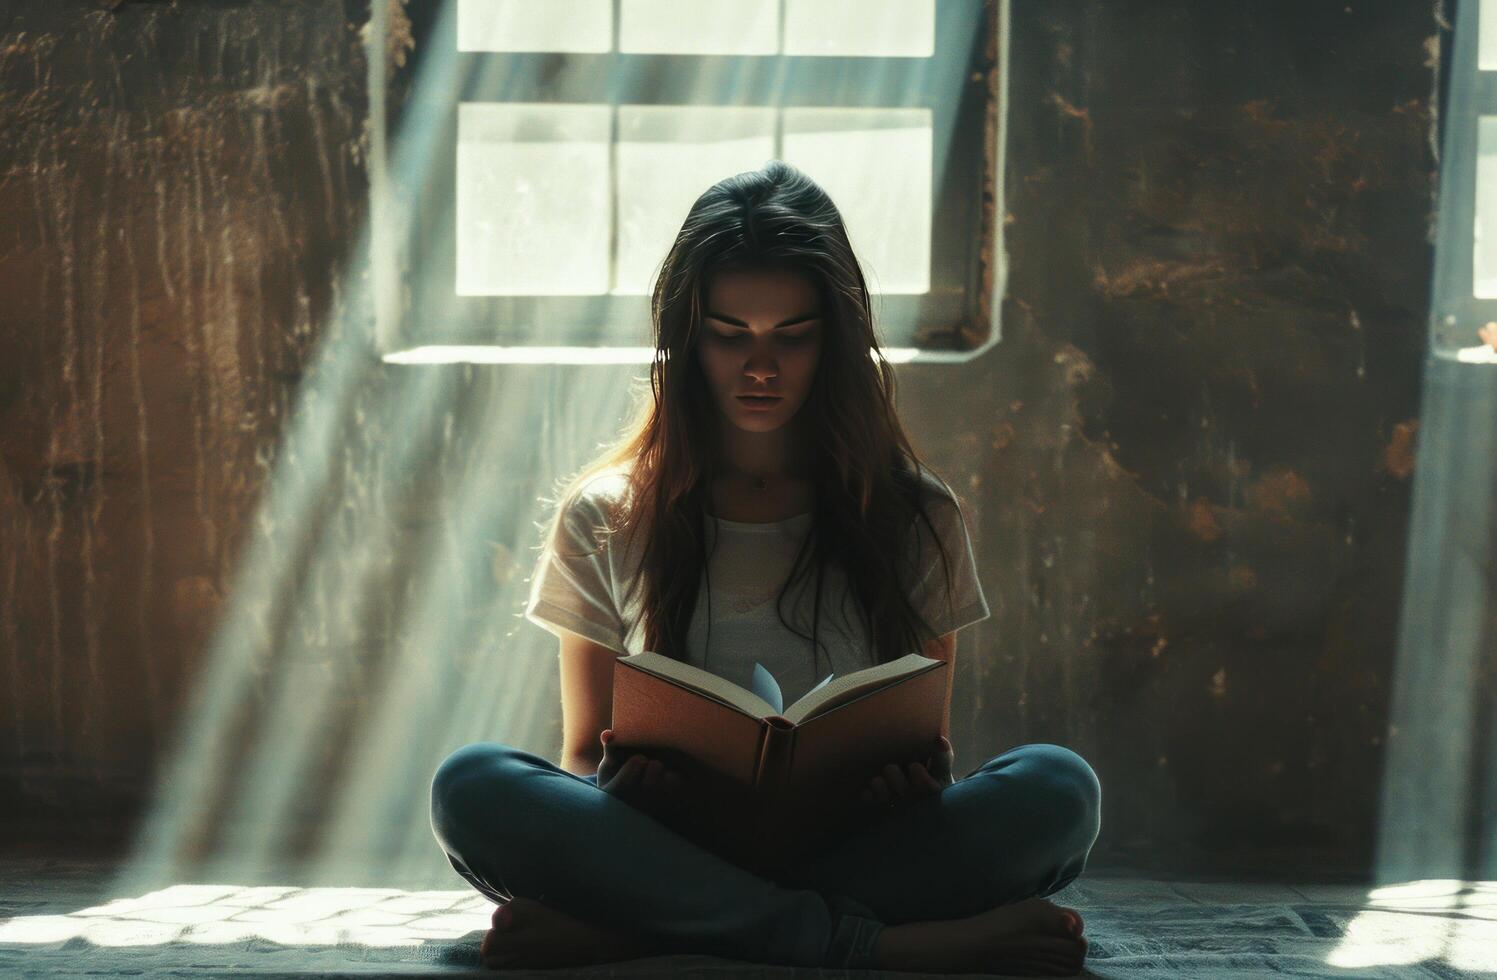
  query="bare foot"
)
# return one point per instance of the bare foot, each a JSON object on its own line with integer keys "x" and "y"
{"x": 527, "y": 933}
{"x": 1030, "y": 938}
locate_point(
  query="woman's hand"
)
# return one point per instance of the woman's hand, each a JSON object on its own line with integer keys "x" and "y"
{"x": 642, "y": 782}
{"x": 918, "y": 780}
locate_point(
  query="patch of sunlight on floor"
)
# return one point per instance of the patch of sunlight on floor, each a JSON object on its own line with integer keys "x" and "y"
{"x": 286, "y": 915}
{"x": 1391, "y": 931}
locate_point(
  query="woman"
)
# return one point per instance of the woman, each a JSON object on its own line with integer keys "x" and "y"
{"x": 765, "y": 506}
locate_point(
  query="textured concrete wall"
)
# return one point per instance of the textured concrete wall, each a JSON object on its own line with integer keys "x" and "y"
{"x": 1191, "y": 454}
{"x": 1188, "y": 463}
{"x": 178, "y": 183}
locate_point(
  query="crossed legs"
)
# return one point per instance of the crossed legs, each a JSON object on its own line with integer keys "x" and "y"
{"x": 514, "y": 825}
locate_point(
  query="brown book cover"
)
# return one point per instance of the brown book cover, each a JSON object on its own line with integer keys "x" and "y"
{"x": 764, "y": 782}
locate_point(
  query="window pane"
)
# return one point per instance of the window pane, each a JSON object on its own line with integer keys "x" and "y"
{"x": 533, "y": 214}
{"x": 699, "y": 27}
{"x": 1484, "y": 234}
{"x": 1486, "y": 36}
{"x": 667, "y": 156}
{"x": 866, "y": 28}
{"x": 534, "y": 25}
{"x": 876, "y": 165}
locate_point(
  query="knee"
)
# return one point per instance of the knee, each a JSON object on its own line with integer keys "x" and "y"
{"x": 1060, "y": 792}
{"x": 474, "y": 766}
{"x": 1068, "y": 792}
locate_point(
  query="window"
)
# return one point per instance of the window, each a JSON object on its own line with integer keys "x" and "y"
{"x": 550, "y": 149}
{"x": 1463, "y": 324}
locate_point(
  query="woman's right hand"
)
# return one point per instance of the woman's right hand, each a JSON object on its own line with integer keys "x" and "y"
{"x": 893, "y": 787}
{"x": 640, "y": 781}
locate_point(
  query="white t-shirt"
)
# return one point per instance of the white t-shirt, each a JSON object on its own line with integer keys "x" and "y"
{"x": 580, "y": 582}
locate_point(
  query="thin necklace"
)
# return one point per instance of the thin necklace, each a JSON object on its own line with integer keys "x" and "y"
{"x": 758, "y": 482}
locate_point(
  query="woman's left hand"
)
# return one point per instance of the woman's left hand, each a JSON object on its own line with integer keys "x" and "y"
{"x": 641, "y": 781}
{"x": 918, "y": 780}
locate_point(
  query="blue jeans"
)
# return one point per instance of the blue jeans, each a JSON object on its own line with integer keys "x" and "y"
{"x": 512, "y": 824}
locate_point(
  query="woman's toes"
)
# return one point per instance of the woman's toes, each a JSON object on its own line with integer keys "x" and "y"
{"x": 1042, "y": 915}
{"x": 528, "y": 933}
{"x": 1055, "y": 952}
{"x": 506, "y": 943}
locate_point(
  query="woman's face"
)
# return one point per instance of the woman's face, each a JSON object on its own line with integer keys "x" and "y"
{"x": 761, "y": 335}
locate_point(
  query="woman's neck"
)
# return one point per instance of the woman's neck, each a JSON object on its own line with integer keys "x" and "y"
{"x": 766, "y": 456}
{"x": 734, "y": 499}
{"x": 761, "y": 476}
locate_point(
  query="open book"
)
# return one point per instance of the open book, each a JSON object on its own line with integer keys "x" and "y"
{"x": 761, "y": 770}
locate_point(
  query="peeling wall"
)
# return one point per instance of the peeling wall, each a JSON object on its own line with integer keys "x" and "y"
{"x": 1191, "y": 455}
{"x": 179, "y": 183}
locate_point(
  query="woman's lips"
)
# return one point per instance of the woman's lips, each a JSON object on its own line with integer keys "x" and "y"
{"x": 759, "y": 401}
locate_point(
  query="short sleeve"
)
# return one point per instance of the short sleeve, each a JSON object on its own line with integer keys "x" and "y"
{"x": 946, "y": 610}
{"x": 572, "y": 588}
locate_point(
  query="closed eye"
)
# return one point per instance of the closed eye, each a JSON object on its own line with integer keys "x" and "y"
{"x": 811, "y": 317}
{"x": 781, "y": 334}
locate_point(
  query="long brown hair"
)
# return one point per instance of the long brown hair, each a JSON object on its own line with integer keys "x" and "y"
{"x": 867, "y": 479}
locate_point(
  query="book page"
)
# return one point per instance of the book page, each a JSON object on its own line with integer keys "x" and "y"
{"x": 703, "y": 682}
{"x": 834, "y": 692}
{"x": 767, "y": 687}
{"x": 824, "y": 681}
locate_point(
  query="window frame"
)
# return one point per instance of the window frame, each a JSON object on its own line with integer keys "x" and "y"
{"x": 1456, "y": 311}
{"x": 956, "y": 319}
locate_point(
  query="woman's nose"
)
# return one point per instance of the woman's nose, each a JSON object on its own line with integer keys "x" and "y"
{"x": 760, "y": 370}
